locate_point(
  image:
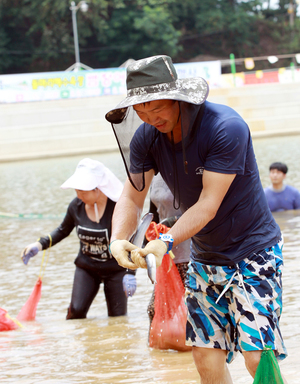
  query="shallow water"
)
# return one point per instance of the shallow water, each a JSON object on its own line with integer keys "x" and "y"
{"x": 100, "y": 349}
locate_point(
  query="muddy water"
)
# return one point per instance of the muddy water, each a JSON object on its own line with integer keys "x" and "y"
{"x": 101, "y": 349}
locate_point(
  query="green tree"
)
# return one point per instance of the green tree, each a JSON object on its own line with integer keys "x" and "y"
{"x": 37, "y": 35}
{"x": 138, "y": 30}
{"x": 218, "y": 27}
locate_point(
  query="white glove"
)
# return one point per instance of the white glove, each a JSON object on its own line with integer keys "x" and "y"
{"x": 157, "y": 247}
{"x": 30, "y": 251}
{"x": 120, "y": 249}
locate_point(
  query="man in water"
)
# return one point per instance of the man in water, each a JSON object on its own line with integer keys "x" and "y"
{"x": 281, "y": 197}
{"x": 204, "y": 153}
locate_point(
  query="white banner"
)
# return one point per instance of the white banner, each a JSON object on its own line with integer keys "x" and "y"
{"x": 209, "y": 70}
{"x": 98, "y": 82}
{"x": 61, "y": 85}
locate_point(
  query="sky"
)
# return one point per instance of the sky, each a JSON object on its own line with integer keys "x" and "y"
{"x": 274, "y": 4}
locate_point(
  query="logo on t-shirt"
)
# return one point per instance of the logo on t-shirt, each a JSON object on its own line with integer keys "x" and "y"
{"x": 199, "y": 170}
{"x": 94, "y": 242}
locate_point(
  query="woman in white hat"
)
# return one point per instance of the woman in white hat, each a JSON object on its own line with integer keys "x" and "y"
{"x": 98, "y": 190}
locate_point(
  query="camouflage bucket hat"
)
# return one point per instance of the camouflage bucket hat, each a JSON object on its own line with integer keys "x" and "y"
{"x": 155, "y": 78}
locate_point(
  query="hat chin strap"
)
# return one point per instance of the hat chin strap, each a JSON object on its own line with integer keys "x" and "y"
{"x": 185, "y": 163}
{"x": 175, "y": 174}
{"x": 176, "y": 183}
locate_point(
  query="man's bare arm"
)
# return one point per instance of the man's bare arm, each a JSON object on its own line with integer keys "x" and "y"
{"x": 215, "y": 187}
{"x": 128, "y": 209}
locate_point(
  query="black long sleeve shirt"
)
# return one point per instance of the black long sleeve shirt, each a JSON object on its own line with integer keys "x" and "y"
{"x": 94, "y": 237}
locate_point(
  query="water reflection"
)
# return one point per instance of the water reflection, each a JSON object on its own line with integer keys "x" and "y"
{"x": 101, "y": 349}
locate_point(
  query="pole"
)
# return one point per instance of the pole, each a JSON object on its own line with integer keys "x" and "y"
{"x": 233, "y": 68}
{"x": 74, "y": 8}
{"x": 75, "y": 33}
{"x": 292, "y": 66}
{"x": 291, "y": 11}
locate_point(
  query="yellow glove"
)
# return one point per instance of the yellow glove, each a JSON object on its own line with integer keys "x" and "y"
{"x": 157, "y": 247}
{"x": 120, "y": 249}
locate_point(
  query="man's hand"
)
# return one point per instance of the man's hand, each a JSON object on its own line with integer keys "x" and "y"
{"x": 30, "y": 251}
{"x": 157, "y": 247}
{"x": 120, "y": 249}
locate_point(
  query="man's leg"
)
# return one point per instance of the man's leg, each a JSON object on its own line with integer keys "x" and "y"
{"x": 211, "y": 365}
{"x": 262, "y": 278}
{"x": 209, "y": 324}
{"x": 252, "y": 360}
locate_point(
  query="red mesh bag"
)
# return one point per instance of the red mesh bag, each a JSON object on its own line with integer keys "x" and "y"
{"x": 28, "y": 310}
{"x": 6, "y": 323}
{"x": 154, "y": 230}
{"x": 168, "y": 327}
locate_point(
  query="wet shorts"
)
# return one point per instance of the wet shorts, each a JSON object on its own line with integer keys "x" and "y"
{"x": 229, "y": 324}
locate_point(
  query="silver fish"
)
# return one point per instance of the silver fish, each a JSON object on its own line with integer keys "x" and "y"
{"x": 138, "y": 237}
{"x": 138, "y": 241}
{"x": 151, "y": 267}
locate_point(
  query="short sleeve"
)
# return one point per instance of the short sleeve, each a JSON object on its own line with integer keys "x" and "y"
{"x": 228, "y": 147}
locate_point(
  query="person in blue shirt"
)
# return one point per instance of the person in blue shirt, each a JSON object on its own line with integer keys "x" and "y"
{"x": 204, "y": 153}
{"x": 281, "y": 197}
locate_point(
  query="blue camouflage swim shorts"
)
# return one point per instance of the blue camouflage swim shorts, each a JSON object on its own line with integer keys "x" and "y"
{"x": 229, "y": 323}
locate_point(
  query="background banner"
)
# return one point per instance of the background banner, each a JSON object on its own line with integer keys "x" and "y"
{"x": 98, "y": 82}
{"x": 112, "y": 81}
{"x": 61, "y": 85}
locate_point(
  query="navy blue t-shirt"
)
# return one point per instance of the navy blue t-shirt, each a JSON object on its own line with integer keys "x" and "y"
{"x": 221, "y": 143}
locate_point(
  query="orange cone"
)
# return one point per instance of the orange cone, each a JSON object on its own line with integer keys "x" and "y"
{"x": 28, "y": 310}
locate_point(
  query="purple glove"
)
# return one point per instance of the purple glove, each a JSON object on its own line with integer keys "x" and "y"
{"x": 129, "y": 284}
{"x": 30, "y": 251}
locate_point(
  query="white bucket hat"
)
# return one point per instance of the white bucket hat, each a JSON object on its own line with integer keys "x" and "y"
{"x": 91, "y": 174}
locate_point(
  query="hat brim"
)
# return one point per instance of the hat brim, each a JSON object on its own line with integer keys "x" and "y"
{"x": 193, "y": 90}
{"x": 80, "y": 180}
{"x": 85, "y": 180}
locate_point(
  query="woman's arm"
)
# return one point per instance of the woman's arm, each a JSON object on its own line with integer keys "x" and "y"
{"x": 62, "y": 231}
